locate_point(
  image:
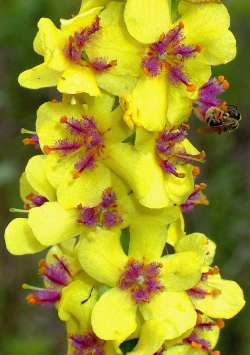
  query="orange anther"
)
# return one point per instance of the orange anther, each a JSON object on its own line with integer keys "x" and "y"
{"x": 221, "y": 78}
{"x": 76, "y": 174}
{"x": 215, "y": 353}
{"x": 226, "y": 84}
{"x": 42, "y": 266}
{"x": 196, "y": 345}
{"x": 47, "y": 149}
{"x": 196, "y": 171}
{"x": 31, "y": 299}
{"x": 198, "y": 48}
{"x": 181, "y": 24}
{"x": 220, "y": 323}
{"x": 64, "y": 119}
{"x": 191, "y": 87}
{"x": 28, "y": 141}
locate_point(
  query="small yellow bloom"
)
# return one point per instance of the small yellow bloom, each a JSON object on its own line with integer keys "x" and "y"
{"x": 140, "y": 280}
{"x": 66, "y": 64}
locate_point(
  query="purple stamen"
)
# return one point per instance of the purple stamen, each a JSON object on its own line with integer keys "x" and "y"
{"x": 45, "y": 297}
{"x": 142, "y": 281}
{"x": 87, "y": 344}
{"x": 193, "y": 338}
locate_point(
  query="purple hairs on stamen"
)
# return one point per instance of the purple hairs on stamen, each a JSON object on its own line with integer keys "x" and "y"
{"x": 194, "y": 338}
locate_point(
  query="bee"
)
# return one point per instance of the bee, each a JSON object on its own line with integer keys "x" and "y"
{"x": 223, "y": 120}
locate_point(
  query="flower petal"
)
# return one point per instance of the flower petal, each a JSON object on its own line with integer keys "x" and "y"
{"x": 181, "y": 271}
{"x": 148, "y": 232}
{"x": 151, "y": 338}
{"x": 87, "y": 189}
{"x": 20, "y": 239}
{"x": 89, "y": 4}
{"x": 51, "y": 224}
{"x": 183, "y": 350}
{"x": 101, "y": 256}
{"x": 39, "y": 77}
{"x": 146, "y": 20}
{"x": 36, "y": 175}
{"x": 207, "y": 25}
{"x": 199, "y": 243}
{"x": 141, "y": 172}
{"x": 226, "y": 304}
{"x": 179, "y": 105}
{"x": 114, "y": 315}
{"x": 78, "y": 79}
{"x": 179, "y": 189}
{"x": 50, "y": 41}
{"x": 145, "y": 109}
{"x": 175, "y": 309}
{"x": 76, "y": 305}
{"x": 176, "y": 230}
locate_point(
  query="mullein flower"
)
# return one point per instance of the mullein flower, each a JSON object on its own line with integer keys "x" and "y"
{"x": 75, "y": 309}
{"x": 212, "y": 295}
{"x": 141, "y": 280}
{"x": 202, "y": 339}
{"x": 170, "y": 157}
{"x": 76, "y": 140}
{"x": 111, "y": 213}
{"x": 66, "y": 64}
{"x": 172, "y": 60}
{"x": 35, "y": 191}
{"x": 57, "y": 271}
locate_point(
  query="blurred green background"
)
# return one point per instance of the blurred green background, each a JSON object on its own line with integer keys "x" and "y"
{"x": 30, "y": 330}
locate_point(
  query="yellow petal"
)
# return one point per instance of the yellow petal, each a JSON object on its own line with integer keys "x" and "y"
{"x": 141, "y": 172}
{"x": 51, "y": 224}
{"x": 151, "y": 338}
{"x": 48, "y": 126}
{"x": 113, "y": 42}
{"x": 181, "y": 271}
{"x": 50, "y": 41}
{"x": 226, "y": 304}
{"x": 145, "y": 109}
{"x": 101, "y": 256}
{"x": 86, "y": 189}
{"x": 199, "y": 243}
{"x": 25, "y": 188}
{"x": 90, "y": 4}
{"x": 179, "y": 189}
{"x": 175, "y": 309}
{"x": 179, "y": 105}
{"x": 36, "y": 175}
{"x": 79, "y": 22}
{"x": 148, "y": 232}
{"x": 39, "y": 77}
{"x": 176, "y": 230}
{"x": 114, "y": 315}
{"x": 78, "y": 79}
{"x": 20, "y": 239}
{"x": 146, "y": 20}
{"x": 183, "y": 350}
{"x": 76, "y": 305}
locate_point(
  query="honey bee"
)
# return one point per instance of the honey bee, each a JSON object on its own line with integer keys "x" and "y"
{"x": 222, "y": 120}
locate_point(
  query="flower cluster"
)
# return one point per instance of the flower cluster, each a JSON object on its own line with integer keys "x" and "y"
{"x": 117, "y": 172}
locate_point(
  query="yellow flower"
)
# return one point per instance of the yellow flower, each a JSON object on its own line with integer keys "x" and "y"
{"x": 75, "y": 309}
{"x": 141, "y": 280}
{"x": 112, "y": 213}
{"x": 160, "y": 64}
{"x": 66, "y": 64}
{"x": 199, "y": 341}
{"x": 35, "y": 191}
{"x": 75, "y": 139}
{"x": 160, "y": 173}
{"x": 213, "y": 296}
